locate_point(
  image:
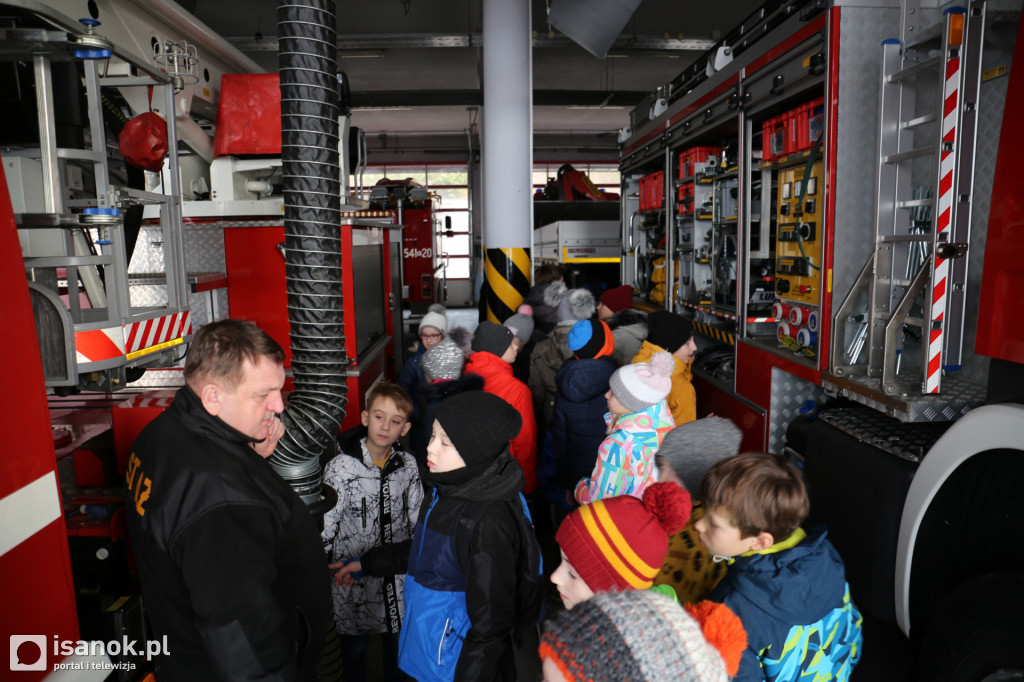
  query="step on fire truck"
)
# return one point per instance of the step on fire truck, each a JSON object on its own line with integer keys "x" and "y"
{"x": 830, "y": 194}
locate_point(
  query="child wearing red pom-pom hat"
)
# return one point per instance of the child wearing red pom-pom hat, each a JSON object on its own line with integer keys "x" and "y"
{"x": 618, "y": 543}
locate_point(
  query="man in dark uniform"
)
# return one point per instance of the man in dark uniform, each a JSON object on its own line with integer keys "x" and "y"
{"x": 233, "y": 571}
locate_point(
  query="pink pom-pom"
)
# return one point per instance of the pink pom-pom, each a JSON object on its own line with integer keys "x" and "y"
{"x": 662, "y": 364}
{"x": 525, "y": 309}
{"x": 670, "y": 504}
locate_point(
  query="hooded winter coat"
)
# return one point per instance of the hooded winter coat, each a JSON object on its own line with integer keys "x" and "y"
{"x": 578, "y": 425}
{"x": 498, "y": 380}
{"x": 544, "y": 316}
{"x": 795, "y": 605}
{"x": 233, "y": 572}
{"x": 460, "y": 619}
{"x": 625, "y": 460}
{"x": 629, "y": 328}
{"x": 547, "y": 358}
{"x": 682, "y": 398}
{"x": 373, "y": 522}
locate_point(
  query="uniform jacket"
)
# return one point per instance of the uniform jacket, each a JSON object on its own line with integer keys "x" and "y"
{"x": 577, "y": 425}
{"x": 547, "y": 358}
{"x": 412, "y": 379}
{"x": 372, "y": 522}
{"x": 232, "y": 568}
{"x": 795, "y": 606}
{"x": 625, "y": 460}
{"x": 498, "y": 380}
{"x": 460, "y": 619}
{"x": 629, "y": 328}
{"x": 682, "y": 398}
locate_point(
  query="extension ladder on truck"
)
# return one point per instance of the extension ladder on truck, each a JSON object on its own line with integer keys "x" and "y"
{"x": 916, "y": 276}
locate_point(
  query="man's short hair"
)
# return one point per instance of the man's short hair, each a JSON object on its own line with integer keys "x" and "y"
{"x": 386, "y": 389}
{"x": 219, "y": 349}
{"x": 759, "y": 493}
{"x": 547, "y": 273}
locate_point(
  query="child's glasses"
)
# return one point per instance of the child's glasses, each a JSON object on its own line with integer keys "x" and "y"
{"x": 430, "y": 337}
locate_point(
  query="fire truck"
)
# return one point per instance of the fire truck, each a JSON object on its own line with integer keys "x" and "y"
{"x": 829, "y": 195}
{"x": 110, "y": 270}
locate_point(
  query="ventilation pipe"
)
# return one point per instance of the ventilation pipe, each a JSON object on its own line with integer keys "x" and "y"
{"x": 307, "y": 35}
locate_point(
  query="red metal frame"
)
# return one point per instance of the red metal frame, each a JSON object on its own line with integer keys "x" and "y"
{"x": 1000, "y": 324}
{"x": 256, "y": 291}
{"x": 754, "y": 372}
{"x": 418, "y": 253}
{"x": 715, "y": 92}
{"x": 753, "y": 423}
{"x": 39, "y": 598}
{"x": 786, "y": 45}
{"x": 831, "y": 154}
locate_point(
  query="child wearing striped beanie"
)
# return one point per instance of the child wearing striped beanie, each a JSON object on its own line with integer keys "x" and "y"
{"x": 642, "y": 636}
{"x": 618, "y": 543}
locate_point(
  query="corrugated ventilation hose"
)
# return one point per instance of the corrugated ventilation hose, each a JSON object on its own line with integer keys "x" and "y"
{"x": 307, "y": 62}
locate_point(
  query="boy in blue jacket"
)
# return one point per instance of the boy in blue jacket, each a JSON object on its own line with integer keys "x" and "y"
{"x": 464, "y": 598}
{"x": 786, "y": 585}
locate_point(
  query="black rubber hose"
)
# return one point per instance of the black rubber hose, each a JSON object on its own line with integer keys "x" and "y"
{"x": 307, "y": 37}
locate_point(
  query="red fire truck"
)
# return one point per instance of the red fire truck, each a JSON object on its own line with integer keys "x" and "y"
{"x": 829, "y": 194}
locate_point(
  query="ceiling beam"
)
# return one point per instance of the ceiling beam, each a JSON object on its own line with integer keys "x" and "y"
{"x": 623, "y": 45}
{"x": 597, "y": 99}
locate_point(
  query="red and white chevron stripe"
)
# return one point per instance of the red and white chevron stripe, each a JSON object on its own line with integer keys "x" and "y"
{"x": 141, "y": 335}
{"x": 96, "y": 345}
{"x": 940, "y": 273}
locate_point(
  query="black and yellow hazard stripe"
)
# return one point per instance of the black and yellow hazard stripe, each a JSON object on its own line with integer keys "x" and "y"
{"x": 726, "y": 337}
{"x": 508, "y": 274}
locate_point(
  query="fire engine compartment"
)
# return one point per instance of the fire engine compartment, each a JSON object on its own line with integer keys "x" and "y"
{"x": 750, "y": 203}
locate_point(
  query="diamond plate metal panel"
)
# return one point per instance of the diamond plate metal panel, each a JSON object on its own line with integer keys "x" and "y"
{"x": 958, "y": 397}
{"x": 204, "y": 253}
{"x": 906, "y": 441}
{"x": 148, "y": 255}
{"x": 861, "y": 31}
{"x": 788, "y": 394}
{"x": 204, "y": 248}
{"x": 160, "y": 378}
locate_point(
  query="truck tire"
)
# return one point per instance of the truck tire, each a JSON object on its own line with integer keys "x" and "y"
{"x": 976, "y": 633}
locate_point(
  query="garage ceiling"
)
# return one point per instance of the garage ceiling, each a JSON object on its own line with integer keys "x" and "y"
{"x": 415, "y": 66}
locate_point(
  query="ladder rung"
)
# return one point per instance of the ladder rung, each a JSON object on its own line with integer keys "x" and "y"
{"x": 895, "y": 238}
{"x": 80, "y": 155}
{"x": 918, "y": 121}
{"x": 914, "y": 69}
{"x": 915, "y": 321}
{"x": 911, "y": 203}
{"x": 912, "y": 154}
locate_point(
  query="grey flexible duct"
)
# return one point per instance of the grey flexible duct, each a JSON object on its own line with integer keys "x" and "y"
{"x": 307, "y": 63}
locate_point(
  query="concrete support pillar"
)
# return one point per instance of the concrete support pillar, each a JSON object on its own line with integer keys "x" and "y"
{"x": 507, "y": 155}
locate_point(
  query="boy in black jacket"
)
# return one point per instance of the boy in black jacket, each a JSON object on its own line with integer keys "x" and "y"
{"x": 464, "y": 596}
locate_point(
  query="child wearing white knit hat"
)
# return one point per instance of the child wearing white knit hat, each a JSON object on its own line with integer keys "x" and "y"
{"x": 638, "y": 419}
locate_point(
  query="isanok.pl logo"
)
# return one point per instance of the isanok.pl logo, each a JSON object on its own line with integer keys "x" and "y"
{"x": 28, "y": 652}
